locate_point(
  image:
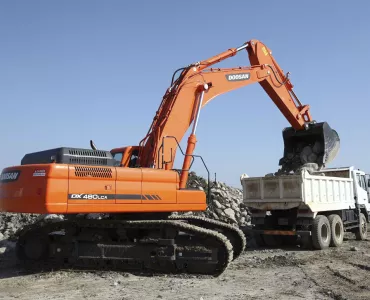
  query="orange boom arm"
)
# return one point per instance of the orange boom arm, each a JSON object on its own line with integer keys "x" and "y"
{"x": 198, "y": 83}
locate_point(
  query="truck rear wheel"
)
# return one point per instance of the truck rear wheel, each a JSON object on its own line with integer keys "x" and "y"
{"x": 361, "y": 231}
{"x": 321, "y": 233}
{"x": 337, "y": 230}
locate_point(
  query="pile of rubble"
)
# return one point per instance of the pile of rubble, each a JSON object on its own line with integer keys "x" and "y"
{"x": 226, "y": 205}
{"x": 10, "y": 223}
{"x": 226, "y": 202}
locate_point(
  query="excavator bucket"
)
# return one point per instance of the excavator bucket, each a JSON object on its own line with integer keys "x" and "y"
{"x": 318, "y": 144}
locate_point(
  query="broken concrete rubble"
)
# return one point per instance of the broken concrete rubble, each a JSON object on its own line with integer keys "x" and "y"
{"x": 226, "y": 202}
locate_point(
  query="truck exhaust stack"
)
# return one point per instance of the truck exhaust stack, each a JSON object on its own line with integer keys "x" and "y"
{"x": 319, "y": 144}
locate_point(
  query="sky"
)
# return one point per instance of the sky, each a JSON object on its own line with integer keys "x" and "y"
{"x": 71, "y": 71}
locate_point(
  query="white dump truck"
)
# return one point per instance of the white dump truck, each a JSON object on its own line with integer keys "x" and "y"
{"x": 313, "y": 208}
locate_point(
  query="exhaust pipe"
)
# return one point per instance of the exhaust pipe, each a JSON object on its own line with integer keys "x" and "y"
{"x": 318, "y": 144}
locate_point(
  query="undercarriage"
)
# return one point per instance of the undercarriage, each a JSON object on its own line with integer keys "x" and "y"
{"x": 176, "y": 244}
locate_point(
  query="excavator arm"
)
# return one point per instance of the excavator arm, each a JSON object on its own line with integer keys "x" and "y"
{"x": 199, "y": 83}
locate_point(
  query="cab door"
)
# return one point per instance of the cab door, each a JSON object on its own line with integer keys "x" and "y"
{"x": 361, "y": 189}
{"x": 366, "y": 179}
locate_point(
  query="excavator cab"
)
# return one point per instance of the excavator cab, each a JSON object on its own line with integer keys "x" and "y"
{"x": 318, "y": 144}
{"x": 126, "y": 156}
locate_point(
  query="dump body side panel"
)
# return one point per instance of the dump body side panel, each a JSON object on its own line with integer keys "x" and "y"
{"x": 316, "y": 192}
{"x": 325, "y": 193}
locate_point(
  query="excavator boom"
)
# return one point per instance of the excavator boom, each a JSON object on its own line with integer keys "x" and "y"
{"x": 199, "y": 83}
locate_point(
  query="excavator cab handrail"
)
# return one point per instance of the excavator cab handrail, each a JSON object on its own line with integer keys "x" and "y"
{"x": 193, "y": 156}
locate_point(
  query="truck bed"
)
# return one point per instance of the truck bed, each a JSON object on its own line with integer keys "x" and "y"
{"x": 317, "y": 192}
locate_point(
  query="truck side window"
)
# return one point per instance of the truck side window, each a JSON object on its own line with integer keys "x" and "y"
{"x": 358, "y": 179}
{"x": 363, "y": 180}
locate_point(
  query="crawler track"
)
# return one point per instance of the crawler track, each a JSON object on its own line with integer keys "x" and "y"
{"x": 234, "y": 234}
{"x": 165, "y": 246}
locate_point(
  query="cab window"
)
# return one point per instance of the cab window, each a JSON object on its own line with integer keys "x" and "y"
{"x": 133, "y": 159}
{"x": 361, "y": 181}
{"x": 118, "y": 158}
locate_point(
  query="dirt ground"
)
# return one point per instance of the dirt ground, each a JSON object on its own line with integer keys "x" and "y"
{"x": 283, "y": 273}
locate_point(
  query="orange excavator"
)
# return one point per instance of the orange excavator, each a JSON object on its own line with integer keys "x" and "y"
{"x": 137, "y": 187}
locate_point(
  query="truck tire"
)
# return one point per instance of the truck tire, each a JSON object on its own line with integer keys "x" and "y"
{"x": 321, "y": 233}
{"x": 361, "y": 232}
{"x": 337, "y": 230}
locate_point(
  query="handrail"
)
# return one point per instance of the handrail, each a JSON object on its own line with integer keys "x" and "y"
{"x": 193, "y": 158}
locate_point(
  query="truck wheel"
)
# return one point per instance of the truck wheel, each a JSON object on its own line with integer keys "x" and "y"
{"x": 337, "y": 230}
{"x": 321, "y": 233}
{"x": 361, "y": 232}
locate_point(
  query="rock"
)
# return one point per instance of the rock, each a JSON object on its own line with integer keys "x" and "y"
{"x": 353, "y": 248}
{"x": 219, "y": 212}
{"x": 223, "y": 198}
{"x": 218, "y": 204}
{"x": 2, "y": 237}
{"x": 312, "y": 157}
{"x": 230, "y": 213}
{"x": 317, "y": 148}
{"x": 244, "y": 214}
{"x": 94, "y": 216}
{"x": 2, "y": 250}
{"x": 10, "y": 223}
{"x": 235, "y": 207}
{"x": 213, "y": 215}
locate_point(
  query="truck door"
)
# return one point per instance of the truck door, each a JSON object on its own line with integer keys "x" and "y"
{"x": 367, "y": 185}
{"x": 367, "y": 179}
{"x": 361, "y": 189}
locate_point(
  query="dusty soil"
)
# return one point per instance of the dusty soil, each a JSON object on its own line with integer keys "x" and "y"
{"x": 282, "y": 273}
